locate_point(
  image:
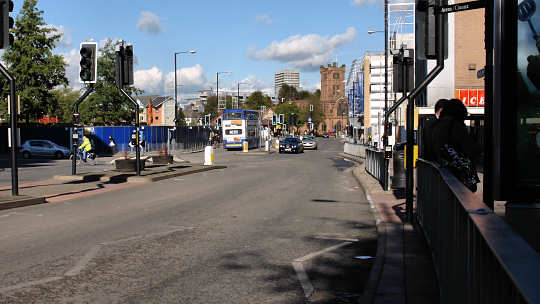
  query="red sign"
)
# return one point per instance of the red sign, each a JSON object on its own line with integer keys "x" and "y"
{"x": 471, "y": 98}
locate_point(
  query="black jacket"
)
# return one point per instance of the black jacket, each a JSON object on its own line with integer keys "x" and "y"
{"x": 427, "y": 142}
{"x": 449, "y": 130}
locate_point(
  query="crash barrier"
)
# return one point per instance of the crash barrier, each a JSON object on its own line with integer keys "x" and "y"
{"x": 376, "y": 165}
{"x": 156, "y": 138}
{"x": 478, "y": 258}
{"x": 355, "y": 149}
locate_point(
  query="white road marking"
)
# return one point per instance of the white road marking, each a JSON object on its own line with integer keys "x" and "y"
{"x": 304, "y": 279}
{"x": 301, "y": 272}
{"x": 81, "y": 264}
{"x": 28, "y": 284}
{"x": 89, "y": 256}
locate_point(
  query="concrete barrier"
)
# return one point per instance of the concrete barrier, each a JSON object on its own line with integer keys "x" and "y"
{"x": 355, "y": 149}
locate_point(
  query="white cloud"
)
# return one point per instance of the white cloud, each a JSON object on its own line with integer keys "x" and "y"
{"x": 304, "y": 52}
{"x": 311, "y": 87}
{"x": 263, "y": 19}
{"x": 189, "y": 80}
{"x": 151, "y": 81}
{"x": 365, "y": 2}
{"x": 66, "y": 40}
{"x": 149, "y": 23}
{"x": 72, "y": 59}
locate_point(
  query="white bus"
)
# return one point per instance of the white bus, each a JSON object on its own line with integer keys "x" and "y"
{"x": 240, "y": 126}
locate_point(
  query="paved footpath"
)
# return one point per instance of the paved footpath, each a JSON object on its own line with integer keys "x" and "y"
{"x": 403, "y": 271}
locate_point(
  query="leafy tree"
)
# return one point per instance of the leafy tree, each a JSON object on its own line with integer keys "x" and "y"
{"x": 181, "y": 117}
{"x": 317, "y": 116}
{"x": 65, "y": 99}
{"x": 287, "y": 109}
{"x": 211, "y": 107}
{"x": 304, "y": 94}
{"x": 288, "y": 93}
{"x": 256, "y": 100}
{"x": 31, "y": 62}
{"x": 107, "y": 104}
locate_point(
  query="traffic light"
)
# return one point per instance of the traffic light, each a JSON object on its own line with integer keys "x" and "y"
{"x": 281, "y": 119}
{"x": 128, "y": 65}
{"x": 88, "y": 64}
{"x": 388, "y": 129}
{"x": 6, "y": 23}
{"x": 124, "y": 65}
{"x": 425, "y": 28}
{"x": 274, "y": 119}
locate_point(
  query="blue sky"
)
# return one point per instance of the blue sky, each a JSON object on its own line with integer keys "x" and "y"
{"x": 252, "y": 39}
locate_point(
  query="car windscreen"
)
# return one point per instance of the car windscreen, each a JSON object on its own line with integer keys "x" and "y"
{"x": 291, "y": 141}
{"x": 233, "y": 115}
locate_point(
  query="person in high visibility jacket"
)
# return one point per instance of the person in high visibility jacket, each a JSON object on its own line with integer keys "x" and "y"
{"x": 85, "y": 147}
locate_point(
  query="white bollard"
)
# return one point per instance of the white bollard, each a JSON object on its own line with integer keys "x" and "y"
{"x": 277, "y": 144}
{"x": 266, "y": 145}
{"x": 208, "y": 156}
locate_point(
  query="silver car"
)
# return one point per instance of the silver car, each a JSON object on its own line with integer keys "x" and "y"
{"x": 39, "y": 147}
{"x": 309, "y": 142}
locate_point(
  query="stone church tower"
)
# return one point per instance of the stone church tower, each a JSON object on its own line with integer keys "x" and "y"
{"x": 333, "y": 101}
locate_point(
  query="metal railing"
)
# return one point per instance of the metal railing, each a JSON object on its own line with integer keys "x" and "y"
{"x": 477, "y": 256}
{"x": 376, "y": 166}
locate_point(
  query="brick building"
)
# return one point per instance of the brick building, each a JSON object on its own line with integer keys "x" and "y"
{"x": 333, "y": 101}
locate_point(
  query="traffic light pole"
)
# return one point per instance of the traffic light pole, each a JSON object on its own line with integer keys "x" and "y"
{"x": 74, "y": 135}
{"x": 14, "y": 137}
{"x": 137, "y": 126}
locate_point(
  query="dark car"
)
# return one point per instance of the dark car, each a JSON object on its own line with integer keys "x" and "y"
{"x": 325, "y": 135}
{"x": 291, "y": 144}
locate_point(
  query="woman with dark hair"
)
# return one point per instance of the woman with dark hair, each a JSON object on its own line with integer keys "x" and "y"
{"x": 450, "y": 134}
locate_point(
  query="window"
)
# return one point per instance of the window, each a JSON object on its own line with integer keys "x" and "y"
{"x": 233, "y": 132}
{"x": 233, "y": 115}
{"x": 336, "y": 75}
{"x": 157, "y": 110}
{"x": 251, "y": 133}
{"x": 157, "y": 117}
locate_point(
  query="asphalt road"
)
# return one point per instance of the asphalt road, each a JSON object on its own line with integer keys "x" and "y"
{"x": 280, "y": 228}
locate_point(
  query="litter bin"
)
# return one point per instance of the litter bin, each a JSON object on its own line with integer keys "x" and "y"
{"x": 399, "y": 175}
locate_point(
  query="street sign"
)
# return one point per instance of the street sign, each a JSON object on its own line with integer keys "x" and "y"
{"x": 309, "y": 120}
{"x": 481, "y": 73}
{"x": 446, "y": 9}
{"x": 311, "y": 108}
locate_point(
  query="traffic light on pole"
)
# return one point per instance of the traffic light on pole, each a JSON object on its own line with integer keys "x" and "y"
{"x": 88, "y": 64}
{"x": 128, "y": 65}
{"x": 6, "y": 23}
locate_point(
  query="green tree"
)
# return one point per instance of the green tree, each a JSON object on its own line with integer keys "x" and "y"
{"x": 288, "y": 93}
{"x": 181, "y": 117}
{"x": 65, "y": 99}
{"x": 211, "y": 107}
{"x": 107, "y": 104}
{"x": 287, "y": 109}
{"x": 31, "y": 62}
{"x": 304, "y": 95}
{"x": 256, "y": 100}
{"x": 317, "y": 116}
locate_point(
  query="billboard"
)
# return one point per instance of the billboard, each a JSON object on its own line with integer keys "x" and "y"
{"x": 471, "y": 97}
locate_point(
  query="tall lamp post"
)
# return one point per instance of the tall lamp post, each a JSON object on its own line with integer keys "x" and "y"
{"x": 176, "y": 85}
{"x": 217, "y": 89}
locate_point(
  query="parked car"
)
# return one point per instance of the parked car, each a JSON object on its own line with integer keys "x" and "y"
{"x": 325, "y": 135}
{"x": 291, "y": 144}
{"x": 309, "y": 142}
{"x": 42, "y": 148}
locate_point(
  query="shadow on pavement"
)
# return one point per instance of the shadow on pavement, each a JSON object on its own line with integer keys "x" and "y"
{"x": 341, "y": 164}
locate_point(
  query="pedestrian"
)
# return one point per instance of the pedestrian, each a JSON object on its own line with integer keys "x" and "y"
{"x": 427, "y": 130}
{"x": 453, "y": 147}
{"x": 112, "y": 145}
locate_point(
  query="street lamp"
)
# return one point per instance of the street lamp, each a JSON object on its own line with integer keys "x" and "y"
{"x": 217, "y": 88}
{"x": 176, "y": 85}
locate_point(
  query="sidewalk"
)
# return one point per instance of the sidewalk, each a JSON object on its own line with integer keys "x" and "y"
{"x": 403, "y": 271}
{"x": 66, "y": 187}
